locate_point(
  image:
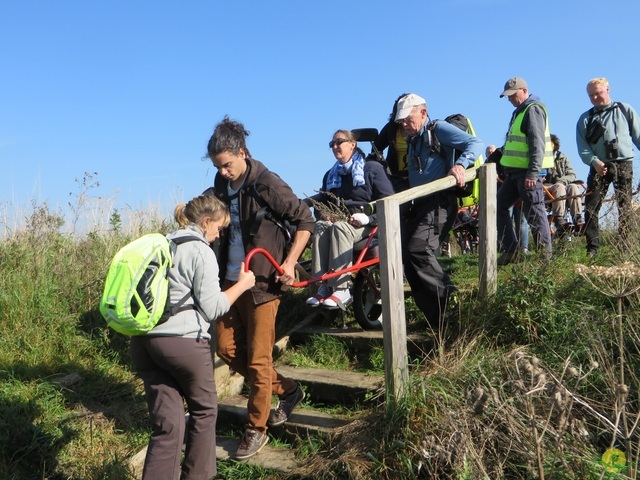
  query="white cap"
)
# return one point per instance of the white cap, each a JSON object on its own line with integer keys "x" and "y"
{"x": 406, "y": 104}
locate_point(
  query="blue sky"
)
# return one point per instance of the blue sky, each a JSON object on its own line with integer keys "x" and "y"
{"x": 133, "y": 89}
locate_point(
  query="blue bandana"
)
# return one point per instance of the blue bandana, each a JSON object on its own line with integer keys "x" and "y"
{"x": 355, "y": 166}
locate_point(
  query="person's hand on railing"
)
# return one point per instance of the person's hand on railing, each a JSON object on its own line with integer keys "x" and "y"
{"x": 359, "y": 220}
{"x": 458, "y": 172}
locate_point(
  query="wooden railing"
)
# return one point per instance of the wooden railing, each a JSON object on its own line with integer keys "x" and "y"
{"x": 393, "y": 311}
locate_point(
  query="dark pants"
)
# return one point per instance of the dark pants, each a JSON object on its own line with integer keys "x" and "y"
{"x": 511, "y": 190}
{"x": 175, "y": 370}
{"x": 428, "y": 225}
{"x": 598, "y": 185}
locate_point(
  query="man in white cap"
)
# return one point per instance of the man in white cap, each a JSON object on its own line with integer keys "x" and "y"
{"x": 430, "y": 220}
{"x": 527, "y": 153}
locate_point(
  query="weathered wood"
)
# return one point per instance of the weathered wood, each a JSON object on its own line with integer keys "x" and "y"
{"x": 281, "y": 459}
{"x": 332, "y": 385}
{"x": 488, "y": 246}
{"x": 396, "y": 370}
{"x": 359, "y": 340}
{"x": 234, "y": 409}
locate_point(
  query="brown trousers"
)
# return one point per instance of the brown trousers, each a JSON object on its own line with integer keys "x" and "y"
{"x": 246, "y": 335}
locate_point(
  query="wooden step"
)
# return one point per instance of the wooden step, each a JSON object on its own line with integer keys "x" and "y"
{"x": 333, "y": 386}
{"x": 276, "y": 458}
{"x": 359, "y": 340}
{"x": 233, "y": 409}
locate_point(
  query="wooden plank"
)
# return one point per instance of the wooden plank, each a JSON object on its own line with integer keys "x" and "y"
{"x": 235, "y": 408}
{"x": 488, "y": 246}
{"x": 281, "y": 459}
{"x": 396, "y": 370}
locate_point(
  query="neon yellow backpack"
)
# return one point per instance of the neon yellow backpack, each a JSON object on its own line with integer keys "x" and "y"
{"x": 137, "y": 285}
{"x": 474, "y": 197}
{"x": 470, "y": 193}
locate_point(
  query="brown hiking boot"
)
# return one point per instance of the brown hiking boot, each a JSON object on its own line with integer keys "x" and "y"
{"x": 285, "y": 407}
{"x": 251, "y": 443}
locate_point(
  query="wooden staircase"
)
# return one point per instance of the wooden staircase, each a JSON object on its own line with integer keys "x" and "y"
{"x": 326, "y": 387}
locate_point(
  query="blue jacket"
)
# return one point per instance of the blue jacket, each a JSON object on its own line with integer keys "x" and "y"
{"x": 615, "y": 125}
{"x": 426, "y": 166}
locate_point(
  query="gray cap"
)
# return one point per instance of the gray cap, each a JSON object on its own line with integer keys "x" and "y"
{"x": 513, "y": 85}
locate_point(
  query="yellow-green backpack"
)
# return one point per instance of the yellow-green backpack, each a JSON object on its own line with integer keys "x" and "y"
{"x": 137, "y": 285}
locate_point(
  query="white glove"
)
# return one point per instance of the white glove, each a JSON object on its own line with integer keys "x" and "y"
{"x": 360, "y": 218}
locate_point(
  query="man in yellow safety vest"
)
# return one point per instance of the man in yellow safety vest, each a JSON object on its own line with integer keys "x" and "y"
{"x": 526, "y": 155}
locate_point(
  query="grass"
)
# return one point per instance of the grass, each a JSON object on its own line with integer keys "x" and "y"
{"x": 541, "y": 381}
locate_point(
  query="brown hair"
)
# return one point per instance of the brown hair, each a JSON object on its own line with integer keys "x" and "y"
{"x": 228, "y": 136}
{"x": 195, "y": 209}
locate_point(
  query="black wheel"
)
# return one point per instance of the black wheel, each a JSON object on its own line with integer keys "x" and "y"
{"x": 367, "y": 302}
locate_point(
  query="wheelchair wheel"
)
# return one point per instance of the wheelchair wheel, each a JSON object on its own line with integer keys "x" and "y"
{"x": 367, "y": 304}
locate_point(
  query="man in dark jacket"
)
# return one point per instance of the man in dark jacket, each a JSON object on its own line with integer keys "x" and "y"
{"x": 246, "y": 335}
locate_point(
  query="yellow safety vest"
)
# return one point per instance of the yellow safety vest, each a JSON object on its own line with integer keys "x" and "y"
{"x": 516, "y": 149}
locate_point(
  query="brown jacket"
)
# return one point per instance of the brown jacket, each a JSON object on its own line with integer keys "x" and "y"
{"x": 262, "y": 186}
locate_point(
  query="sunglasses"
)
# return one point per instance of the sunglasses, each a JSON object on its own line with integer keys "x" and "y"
{"x": 337, "y": 142}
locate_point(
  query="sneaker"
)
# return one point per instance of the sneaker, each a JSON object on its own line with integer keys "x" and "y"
{"x": 509, "y": 257}
{"x": 323, "y": 292}
{"x": 251, "y": 443}
{"x": 285, "y": 407}
{"x": 341, "y": 298}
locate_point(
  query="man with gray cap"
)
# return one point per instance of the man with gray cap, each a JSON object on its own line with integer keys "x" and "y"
{"x": 430, "y": 220}
{"x": 527, "y": 153}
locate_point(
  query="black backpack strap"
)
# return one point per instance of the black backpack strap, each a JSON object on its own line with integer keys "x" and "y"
{"x": 266, "y": 212}
{"x": 255, "y": 226}
{"x": 625, "y": 112}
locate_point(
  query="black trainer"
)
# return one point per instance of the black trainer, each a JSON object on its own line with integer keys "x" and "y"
{"x": 251, "y": 443}
{"x": 285, "y": 407}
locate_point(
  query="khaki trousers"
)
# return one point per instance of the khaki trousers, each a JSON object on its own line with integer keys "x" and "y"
{"x": 246, "y": 335}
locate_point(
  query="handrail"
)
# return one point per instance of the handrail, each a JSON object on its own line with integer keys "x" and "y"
{"x": 432, "y": 187}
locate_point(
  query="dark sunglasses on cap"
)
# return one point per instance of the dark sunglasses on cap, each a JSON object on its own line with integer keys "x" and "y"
{"x": 338, "y": 142}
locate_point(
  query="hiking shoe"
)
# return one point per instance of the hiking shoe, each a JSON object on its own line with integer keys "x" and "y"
{"x": 285, "y": 407}
{"x": 341, "y": 298}
{"x": 509, "y": 257}
{"x": 251, "y": 443}
{"x": 323, "y": 292}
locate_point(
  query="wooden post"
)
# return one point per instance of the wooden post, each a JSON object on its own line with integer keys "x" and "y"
{"x": 488, "y": 248}
{"x": 394, "y": 326}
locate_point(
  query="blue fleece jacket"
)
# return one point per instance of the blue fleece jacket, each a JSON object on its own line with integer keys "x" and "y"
{"x": 426, "y": 166}
{"x": 615, "y": 125}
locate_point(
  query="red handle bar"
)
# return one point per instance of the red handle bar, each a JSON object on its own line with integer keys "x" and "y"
{"x": 359, "y": 264}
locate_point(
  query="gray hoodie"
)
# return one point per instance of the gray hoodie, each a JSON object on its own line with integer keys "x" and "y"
{"x": 195, "y": 269}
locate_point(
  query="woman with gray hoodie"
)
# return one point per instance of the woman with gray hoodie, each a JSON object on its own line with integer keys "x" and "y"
{"x": 174, "y": 358}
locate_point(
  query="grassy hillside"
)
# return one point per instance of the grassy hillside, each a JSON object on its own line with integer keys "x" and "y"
{"x": 538, "y": 382}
